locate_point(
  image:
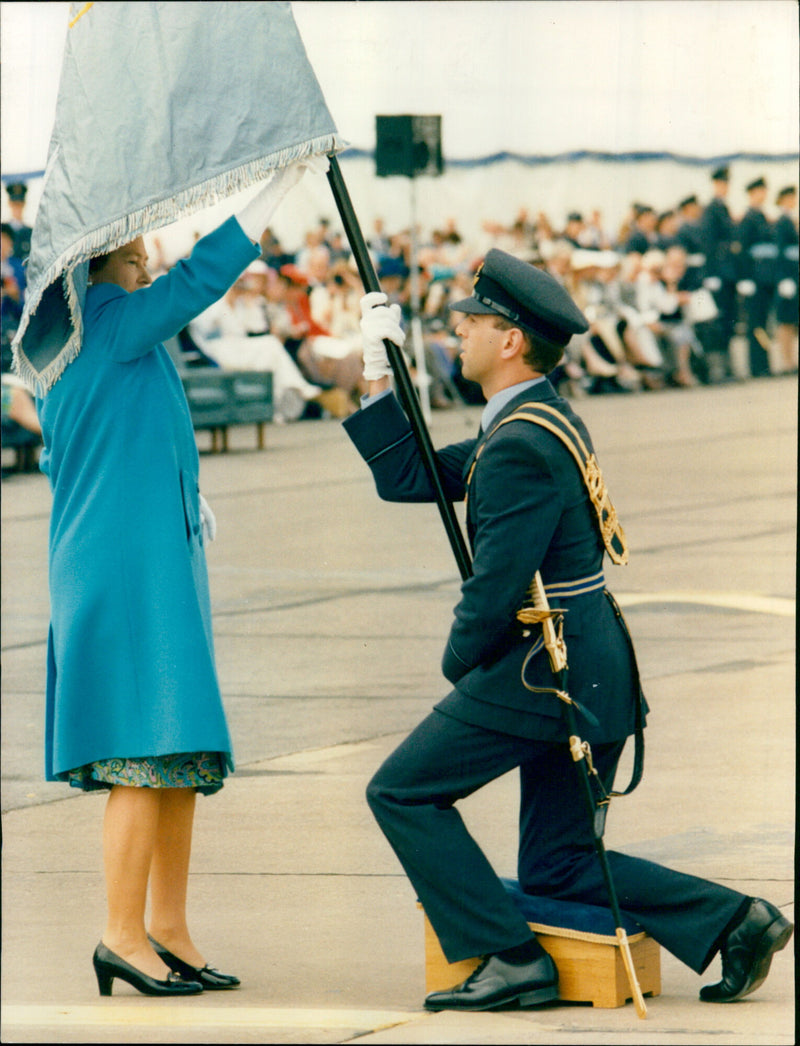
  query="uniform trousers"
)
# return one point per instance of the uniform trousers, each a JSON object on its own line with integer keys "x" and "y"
{"x": 443, "y": 760}
{"x": 724, "y": 324}
{"x": 757, "y": 309}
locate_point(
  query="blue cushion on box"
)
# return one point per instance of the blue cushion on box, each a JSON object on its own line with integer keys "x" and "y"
{"x": 569, "y": 915}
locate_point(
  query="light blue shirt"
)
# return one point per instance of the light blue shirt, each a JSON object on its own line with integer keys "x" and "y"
{"x": 492, "y": 408}
{"x": 504, "y": 396}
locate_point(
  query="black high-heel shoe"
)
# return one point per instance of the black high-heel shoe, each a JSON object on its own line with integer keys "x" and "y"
{"x": 211, "y": 979}
{"x": 107, "y": 966}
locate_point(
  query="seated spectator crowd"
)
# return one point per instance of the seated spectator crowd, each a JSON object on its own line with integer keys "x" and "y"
{"x": 665, "y": 296}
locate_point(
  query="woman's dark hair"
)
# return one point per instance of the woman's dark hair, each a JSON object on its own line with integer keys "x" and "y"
{"x": 540, "y": 355}
{"x": 97, "y": 263}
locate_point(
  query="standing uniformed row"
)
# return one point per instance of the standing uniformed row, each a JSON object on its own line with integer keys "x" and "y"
{"x": 751, "y": 268}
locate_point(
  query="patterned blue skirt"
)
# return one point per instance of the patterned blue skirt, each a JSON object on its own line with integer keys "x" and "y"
{"x": 203, "y": 771}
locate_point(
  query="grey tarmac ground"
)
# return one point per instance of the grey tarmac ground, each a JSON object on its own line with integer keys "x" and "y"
{"x": 331, "y": 609}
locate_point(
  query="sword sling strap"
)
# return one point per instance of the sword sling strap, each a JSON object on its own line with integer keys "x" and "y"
{"x": 609, "y": 526}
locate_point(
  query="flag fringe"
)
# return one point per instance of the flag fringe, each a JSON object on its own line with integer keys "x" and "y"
{"x": 111, "y": 235}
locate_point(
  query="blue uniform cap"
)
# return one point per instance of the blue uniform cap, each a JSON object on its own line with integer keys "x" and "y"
{"x": 508, "y": 287}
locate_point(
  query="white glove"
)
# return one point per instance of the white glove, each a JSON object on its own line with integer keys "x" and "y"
{"x": 208, "y": 520}
{"x": 787, "y": 288}
{"x": 255, "y": 216}
{"x": 746, "y": 288}
{"x": 379, "y": 321}
{"x": 712, "y": 283}
{"x": 319, "y": 164}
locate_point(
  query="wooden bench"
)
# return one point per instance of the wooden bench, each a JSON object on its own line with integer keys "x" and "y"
{"x": 219, "y": 398}
{"x": 590, "y": 966}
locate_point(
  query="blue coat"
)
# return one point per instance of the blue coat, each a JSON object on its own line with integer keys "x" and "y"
{"x": 718, "y": 233}
{"x": 131, "y": 668}
{"x": 527, "y": 510}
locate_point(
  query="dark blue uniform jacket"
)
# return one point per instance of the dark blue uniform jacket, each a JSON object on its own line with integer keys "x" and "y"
{"x": 527, "y": 510}
{"x": 759, "y": 252}
{"x": 718, "y": 235}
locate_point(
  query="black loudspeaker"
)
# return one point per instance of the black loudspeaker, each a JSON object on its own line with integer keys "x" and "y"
{"x": 408, "y": 145}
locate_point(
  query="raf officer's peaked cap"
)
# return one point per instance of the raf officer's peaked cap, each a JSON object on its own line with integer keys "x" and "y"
{"x": 509, "y": 287}
{"x": 759, "y": 183}
{"x": 722, "y": 174}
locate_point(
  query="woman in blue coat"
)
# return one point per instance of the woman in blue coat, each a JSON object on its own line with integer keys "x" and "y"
{"x": 133, "y": 701}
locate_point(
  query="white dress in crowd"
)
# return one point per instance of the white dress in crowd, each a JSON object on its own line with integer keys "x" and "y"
{"x": 230, "y": 332}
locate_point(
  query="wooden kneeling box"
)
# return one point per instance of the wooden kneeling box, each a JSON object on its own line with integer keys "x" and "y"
{"x": 590, "y": 966}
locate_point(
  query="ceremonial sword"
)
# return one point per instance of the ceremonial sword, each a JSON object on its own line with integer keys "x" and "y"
{"x": 581, "y": 754}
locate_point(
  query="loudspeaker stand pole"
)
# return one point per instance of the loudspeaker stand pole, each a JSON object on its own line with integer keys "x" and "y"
{"x": 423, "y": 380}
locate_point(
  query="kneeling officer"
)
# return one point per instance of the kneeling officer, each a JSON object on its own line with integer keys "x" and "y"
{"x": 528, "y": 509}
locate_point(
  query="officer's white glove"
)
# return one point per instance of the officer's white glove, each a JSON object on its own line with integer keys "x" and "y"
{"x": 208, "y": 520}
{"x": 712, "y": 283}
{"x": 255, "y": 216}
{"x": 787, "y": 288}
{"x": 379, "y": 321}
{"x": 746, "y": 288}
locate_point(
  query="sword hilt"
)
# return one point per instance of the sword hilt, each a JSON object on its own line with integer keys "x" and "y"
{"x": 553, "y": 639}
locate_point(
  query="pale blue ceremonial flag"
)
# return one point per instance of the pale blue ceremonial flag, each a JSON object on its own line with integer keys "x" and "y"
{"x": 163, "y": 108}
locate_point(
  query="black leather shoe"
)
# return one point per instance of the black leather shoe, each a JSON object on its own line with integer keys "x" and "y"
{"x": 108, "y": 965}
{"x": 207, "y": 976}
{"x": 747, "y": 952}
{"x": 497, "y": 983}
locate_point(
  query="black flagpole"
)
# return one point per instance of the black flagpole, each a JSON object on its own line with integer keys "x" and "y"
{"x": 405, "y": 388}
